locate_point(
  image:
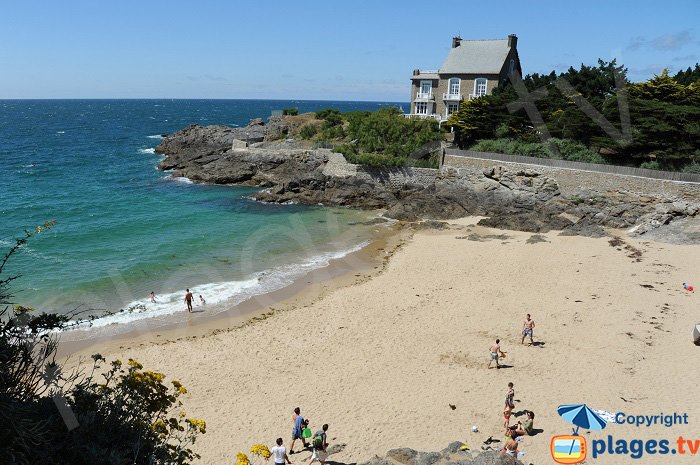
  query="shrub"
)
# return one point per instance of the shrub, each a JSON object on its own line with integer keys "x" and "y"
{"x": 564, "y": 149}
{"x": 693, "y": 167}
{"x": 290, "y": 111}
{"x": 123, "y": 414}
{"x": 650, "y": 165}
{"x": 308, "y": 131}
{"x": 568, "y": 149}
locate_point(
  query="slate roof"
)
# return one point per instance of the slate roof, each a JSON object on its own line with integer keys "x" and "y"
{"x": 476, "y": 57}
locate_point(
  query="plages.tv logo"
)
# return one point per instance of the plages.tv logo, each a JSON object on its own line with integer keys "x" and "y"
{"x": 573, "y": 448}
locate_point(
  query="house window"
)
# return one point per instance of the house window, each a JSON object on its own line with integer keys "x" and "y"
{"x": 426, "y": 88}
{"x": 480, "y": 87}
{"x": 511, "y": 67}
{"x": 421, "y": 108}
{"x": 453, "y": 86}
{"x": 452, "y": 107}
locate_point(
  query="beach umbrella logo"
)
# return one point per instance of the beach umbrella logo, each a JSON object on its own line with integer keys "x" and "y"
{"x": 572, "y": 448}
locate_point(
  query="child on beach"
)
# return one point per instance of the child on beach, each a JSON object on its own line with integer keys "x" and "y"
{"x": 510, "y": 395}
{"x": 688, "y": 287}
{"x": 506, "y": 417}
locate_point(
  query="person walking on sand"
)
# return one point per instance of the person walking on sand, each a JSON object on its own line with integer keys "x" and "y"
{"x": 528, "y": 327}
{"x": 495, "y": 353}
{"x": 188, "y": 300}
{"x": 320, "y": 446}
{"x": 153, "y": 297}
{"x": 510, "y": 395}
{"x": 279, "y": 453}
{"x": 297, "y": 429}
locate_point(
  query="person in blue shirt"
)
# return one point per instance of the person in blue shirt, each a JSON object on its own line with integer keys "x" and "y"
{"x": 298, "y": 421}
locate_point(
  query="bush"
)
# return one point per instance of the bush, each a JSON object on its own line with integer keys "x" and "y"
{"x": 290, "y": 111}
{"x": 563, "y": 149}
{"x": 693, "y": 167}
{"x": 327, "y": 113}
{"x": 308, "y": 131}
{"x": 650, "y": 165}
{"x": 123, "y": 414}
{"x": 571, "y": 150}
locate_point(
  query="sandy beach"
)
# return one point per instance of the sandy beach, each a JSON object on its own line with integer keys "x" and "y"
{"x": 381, "y": 357}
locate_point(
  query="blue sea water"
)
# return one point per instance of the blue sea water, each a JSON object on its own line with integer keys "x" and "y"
{"x": 125, "y": 229}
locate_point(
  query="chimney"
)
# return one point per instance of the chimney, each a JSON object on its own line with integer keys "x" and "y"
{"x": 456, "y": 41}
{"x": 416, "y": 72}
{"x": 512, "y": 41}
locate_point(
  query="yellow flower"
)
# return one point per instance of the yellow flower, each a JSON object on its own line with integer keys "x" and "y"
{"x": 261, "y": 450}
{"x": 134, "y": 364}
{"x": 159, "y": 427}
{"x": 242, "y": 459}
{"x": 179, "y": 387}
{"x": 199, "y": 425}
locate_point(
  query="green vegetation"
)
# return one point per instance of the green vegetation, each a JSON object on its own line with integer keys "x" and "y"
{"x": 563, "y": 149}
{"x": 105, "y": 413}
{"x": 290, "y": 111}
{"x": 663, "y": 130}
{"x": 380, "y": 138}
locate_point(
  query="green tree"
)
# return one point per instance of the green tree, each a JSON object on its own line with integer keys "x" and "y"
{"x": 665, "y": 116}
{"x": 688, "y": 76}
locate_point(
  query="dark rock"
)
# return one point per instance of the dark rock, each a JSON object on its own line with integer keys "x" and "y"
{"x": 427, "y": 458}
{"x": 376, "y": 460}
{"x": 494, "y": 458}
{"x": 403, "y": 455}
{"x": 510, "y": 199}
{"x": 453, "y": 448}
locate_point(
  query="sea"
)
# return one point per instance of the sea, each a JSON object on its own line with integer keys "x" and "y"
{"x": 125, "y": 229}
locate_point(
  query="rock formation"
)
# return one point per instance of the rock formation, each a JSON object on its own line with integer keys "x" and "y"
{"x": 511, "y": 199}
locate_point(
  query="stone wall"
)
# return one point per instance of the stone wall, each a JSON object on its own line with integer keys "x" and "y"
{"x": 572, "y": 181}
{"x": 393, "y": 177}
{"x": 397, "y": 177}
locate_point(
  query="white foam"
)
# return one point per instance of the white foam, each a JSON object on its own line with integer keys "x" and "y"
{"x": 151, "y": 150}
{"x": 60, "y": 132}
{"x": 155, "y": 136}
{"x": 181, "y": 179}
{"x": 228, "y": 292}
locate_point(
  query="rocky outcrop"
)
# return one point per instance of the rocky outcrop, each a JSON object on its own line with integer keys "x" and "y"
{"x": 454, "y": 454}
{"x": 511, "y": 199}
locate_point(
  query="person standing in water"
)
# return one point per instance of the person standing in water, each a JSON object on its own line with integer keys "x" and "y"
{"x": 188, "y": 300}
{"x": 201, "y": 300}
{"x": 153, "y": 297}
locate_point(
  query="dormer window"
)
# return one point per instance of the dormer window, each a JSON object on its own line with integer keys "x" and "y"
{"x": 480, "y": 87}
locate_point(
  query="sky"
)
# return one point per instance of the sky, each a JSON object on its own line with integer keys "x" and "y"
{"x": 314, "y": 50}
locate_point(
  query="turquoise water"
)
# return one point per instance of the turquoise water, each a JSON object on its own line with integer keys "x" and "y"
{"x": 125, "y": 229}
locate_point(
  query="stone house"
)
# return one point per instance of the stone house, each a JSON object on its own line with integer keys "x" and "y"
{"x": 473, "y": 68}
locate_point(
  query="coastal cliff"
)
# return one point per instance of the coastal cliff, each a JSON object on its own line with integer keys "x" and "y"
{"x": 518, "y": 199}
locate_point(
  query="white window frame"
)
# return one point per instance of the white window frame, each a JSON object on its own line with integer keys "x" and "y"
{"x": 477, "y": 93}
{"x": 421, "y": 106}
{"x": 455, "y": 105}
{"x": 427, "y": 83}
{"x": 451, "y": 82}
